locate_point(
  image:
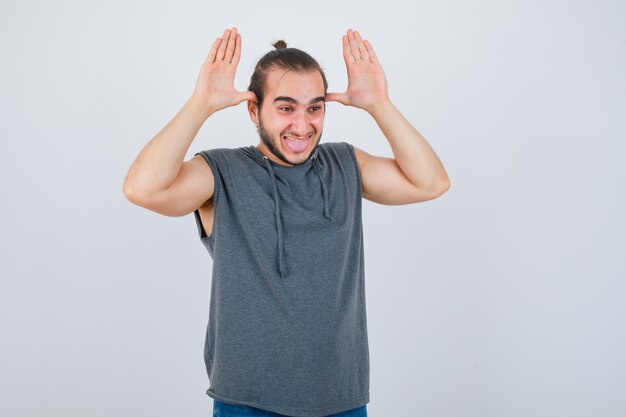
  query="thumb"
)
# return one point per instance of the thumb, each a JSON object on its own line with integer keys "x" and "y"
{"x": 246, "y": 95}
{"x": 340, "y": 97}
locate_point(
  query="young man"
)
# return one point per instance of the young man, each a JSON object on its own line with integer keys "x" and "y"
{"x": 287, "y": 328}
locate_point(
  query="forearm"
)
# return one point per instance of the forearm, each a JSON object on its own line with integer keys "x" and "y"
{"x": 160, "y": 160}
{"x": 412, "y": 152}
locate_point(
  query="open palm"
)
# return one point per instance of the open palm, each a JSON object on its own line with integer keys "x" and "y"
{"x": 367, "y": 84}
{"x": 215, "y": 87}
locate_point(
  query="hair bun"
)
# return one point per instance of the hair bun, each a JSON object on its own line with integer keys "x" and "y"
{"x": 280, "y": 44}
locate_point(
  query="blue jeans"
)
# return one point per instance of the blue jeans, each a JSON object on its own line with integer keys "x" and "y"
{"x": 222, "y": 409}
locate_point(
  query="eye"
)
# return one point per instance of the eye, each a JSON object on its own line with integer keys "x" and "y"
{"x": 285, "y": 108}
{"x": 316, "y": 108}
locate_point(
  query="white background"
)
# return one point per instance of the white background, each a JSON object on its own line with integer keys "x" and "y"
{"x": 502, "y": 298}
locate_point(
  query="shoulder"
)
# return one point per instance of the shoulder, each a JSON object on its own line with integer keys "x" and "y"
{"x": 342, "y": 155}
{"x": 335, "y": 146}
{"x": 346, "y": 153}
{"x": 221, "y": 152}
{"x": 357, "y": 155}
{"x": 340, "y": 150}
{"x": 228, "y": 155}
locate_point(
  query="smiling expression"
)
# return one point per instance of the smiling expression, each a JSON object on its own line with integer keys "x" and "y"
{"x": 292, "y": 118}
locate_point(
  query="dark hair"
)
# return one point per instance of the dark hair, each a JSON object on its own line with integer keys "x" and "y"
{"x": 282, "y": 57}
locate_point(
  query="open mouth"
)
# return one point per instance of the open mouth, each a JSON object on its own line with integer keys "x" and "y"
{"x": 297, "y": 144}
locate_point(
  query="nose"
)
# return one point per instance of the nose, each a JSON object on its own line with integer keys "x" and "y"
{"x": 300, "y": 124}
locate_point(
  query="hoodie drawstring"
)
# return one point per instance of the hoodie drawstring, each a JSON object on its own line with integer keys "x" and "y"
{"x": 279, "y": 224}
{"x": 324, "y": 190}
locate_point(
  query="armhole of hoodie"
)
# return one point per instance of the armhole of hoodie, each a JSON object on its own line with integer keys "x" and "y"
{"x": 355, "y": 163}
{"x": 210, "y": 160}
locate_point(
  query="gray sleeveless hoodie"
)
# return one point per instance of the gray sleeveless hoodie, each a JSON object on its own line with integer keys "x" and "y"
{"x": 287, "y": 328}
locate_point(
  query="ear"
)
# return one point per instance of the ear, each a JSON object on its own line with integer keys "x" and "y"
{"x": 253, "y": 109}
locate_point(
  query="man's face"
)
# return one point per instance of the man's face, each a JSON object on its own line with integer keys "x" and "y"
{"x": 291, "y": 117}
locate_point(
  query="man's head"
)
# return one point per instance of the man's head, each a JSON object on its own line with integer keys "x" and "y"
{"x": 291, "y": 88}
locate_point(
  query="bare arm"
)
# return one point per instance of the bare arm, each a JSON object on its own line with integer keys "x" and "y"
{"x": 415, "y": 173}
{"x": 417, "y": 159}
{"x": 160, "y": 160}
{"x": 158, "y": 179}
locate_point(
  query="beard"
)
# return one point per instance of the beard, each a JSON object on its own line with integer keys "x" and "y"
{"x": 273, "y": 146}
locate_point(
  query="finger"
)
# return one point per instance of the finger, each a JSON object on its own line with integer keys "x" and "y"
{"x": 339, "y": 97}
{"x": 222, "y": 48}
{"x": 211, "y": 57}
{"x": 247, "y": 96}
{"x": 362, "y": 49}
{"x": 237, "y": 53}
{"x": 230, "y": 47}
{"x": 354, "y": 46}
{"x": 347, "y": 55}
{"x": 370, "y": 50}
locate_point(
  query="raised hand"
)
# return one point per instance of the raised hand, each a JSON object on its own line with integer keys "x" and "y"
{"x": 367, "y": 85}
{"x": 215, "y": 88}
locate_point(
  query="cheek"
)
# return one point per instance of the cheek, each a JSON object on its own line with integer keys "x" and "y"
{"x": 318, "y": 121}
{"x": 281, "y": 123}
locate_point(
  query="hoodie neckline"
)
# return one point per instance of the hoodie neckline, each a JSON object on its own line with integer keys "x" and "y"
{"x": 261, "y": 156}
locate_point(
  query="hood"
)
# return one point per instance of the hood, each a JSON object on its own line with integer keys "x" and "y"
{"x": 258, "y": 156}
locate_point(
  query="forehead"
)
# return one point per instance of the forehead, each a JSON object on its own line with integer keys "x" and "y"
{"x": 302, "y": 86}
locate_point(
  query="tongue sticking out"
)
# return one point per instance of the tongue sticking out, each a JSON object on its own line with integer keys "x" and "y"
{"x": 297, "y": 145}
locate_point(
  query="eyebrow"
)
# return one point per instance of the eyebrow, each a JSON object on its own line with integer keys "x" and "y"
{"x": 294, "y": 101}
